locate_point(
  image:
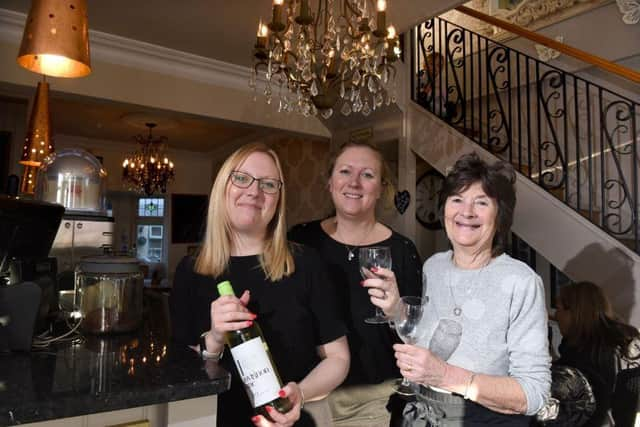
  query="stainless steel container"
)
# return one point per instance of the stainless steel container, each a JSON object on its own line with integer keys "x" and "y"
{"x": 75, "y": 179}
{"x": 109, "y": 294}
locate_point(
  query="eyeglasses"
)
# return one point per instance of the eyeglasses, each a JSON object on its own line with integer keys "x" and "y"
{"x": 244, "y": 180}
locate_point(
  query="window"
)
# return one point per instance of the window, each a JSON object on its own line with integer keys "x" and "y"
{"x": 150, "y": 230}
{"x": 150, "y": 207}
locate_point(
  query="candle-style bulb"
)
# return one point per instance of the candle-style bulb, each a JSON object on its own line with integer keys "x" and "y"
{"x": 391, "y": 32}
{"x": 382, "y": 5}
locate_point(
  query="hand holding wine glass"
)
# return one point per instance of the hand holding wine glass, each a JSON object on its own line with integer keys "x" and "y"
{"x": 372, "y": 259}
{"x": 406, "y": 322}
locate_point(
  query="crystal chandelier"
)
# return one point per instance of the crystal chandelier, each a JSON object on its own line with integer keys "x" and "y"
{"x": 330, "y": 59}
{"x": 149, "y": 169}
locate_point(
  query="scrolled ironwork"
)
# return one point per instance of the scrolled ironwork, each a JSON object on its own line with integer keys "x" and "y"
{"x": 571, "y": 136}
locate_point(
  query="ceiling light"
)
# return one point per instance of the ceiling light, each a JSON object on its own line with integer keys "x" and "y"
{"x": 149, "y": 169}
{"x": 327, "y": 58}
{"x": 55, "y": 41}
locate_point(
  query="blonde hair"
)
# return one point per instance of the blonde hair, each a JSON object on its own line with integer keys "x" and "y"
{"x": 276, "y": 259}
{"x": 388, "y": 190}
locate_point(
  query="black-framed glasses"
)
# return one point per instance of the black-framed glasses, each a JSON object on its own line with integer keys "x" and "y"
{"x": 244, "y": 180}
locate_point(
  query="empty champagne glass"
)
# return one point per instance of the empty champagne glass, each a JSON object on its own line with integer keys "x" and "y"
{"x": 446, "y": 338}
{"x": 406, "y": 322}
{"x": 379, "y": 257}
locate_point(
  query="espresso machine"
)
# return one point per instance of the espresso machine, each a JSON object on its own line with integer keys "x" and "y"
{"x": 75, "y": 179}
{"x": 28, "y": 291}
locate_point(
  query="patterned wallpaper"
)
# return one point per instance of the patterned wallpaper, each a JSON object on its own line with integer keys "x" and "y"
{"x": 304, "y": 163}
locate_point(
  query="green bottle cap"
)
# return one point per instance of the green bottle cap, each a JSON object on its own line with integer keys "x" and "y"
{"x": 225, "y": 288}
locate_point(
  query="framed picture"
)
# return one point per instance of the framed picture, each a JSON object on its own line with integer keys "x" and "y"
{"x": 188, "y": 217}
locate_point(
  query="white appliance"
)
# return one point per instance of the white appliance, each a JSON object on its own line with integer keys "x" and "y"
{"x": 80, "y": 236}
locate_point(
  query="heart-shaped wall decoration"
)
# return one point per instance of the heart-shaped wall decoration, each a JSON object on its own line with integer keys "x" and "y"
{"x": 402, "y": 200}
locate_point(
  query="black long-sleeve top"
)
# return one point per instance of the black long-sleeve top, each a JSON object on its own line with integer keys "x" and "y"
{"x": 372, "y": 359}
{"x": 296, "y": 314}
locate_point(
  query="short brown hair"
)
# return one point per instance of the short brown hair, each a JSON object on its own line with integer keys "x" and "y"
{"x": 498, "y": 182}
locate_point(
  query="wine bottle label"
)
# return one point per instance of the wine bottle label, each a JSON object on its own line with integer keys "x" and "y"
{"x": 256, "y": 371}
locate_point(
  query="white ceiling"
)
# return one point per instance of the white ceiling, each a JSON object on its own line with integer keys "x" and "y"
{"x": 219, "y": 29}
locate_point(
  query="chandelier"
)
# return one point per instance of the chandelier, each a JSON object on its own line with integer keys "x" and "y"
{"x": 149, "y": 169}
{"x": 328, "y": 59}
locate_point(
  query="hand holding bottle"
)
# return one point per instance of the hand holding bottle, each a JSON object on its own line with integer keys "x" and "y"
{"x": 293, "y": 392}
{"x": 229, "y": 313}
{"x": 250, "y": 353}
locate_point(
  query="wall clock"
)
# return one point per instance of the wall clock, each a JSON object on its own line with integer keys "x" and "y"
{"x": 427, "y": 188}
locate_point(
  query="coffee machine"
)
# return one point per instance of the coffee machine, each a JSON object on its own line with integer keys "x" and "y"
{"x": 76, "y": 179}
{"x": 28, "y": 290}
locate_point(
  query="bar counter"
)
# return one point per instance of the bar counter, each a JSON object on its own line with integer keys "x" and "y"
{"x": 101, "y": 374}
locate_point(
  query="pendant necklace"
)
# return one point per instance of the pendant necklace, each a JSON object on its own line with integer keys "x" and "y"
{"x": 457, "y": 308}
{"x": 351, "y": 250}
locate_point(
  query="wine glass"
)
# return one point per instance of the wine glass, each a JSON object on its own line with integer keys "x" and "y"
{"x": 379, "y": 257}
{"x": 446, "y": 338}
{"x": 406, "y": 322}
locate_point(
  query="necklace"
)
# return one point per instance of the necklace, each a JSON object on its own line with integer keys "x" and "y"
{"x": 352, "y": 249}
{"x": 457, "y": 308}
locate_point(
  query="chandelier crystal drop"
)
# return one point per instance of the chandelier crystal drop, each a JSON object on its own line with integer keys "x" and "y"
{"x": 327, "y": 58}
{"x": 148, "y": 170}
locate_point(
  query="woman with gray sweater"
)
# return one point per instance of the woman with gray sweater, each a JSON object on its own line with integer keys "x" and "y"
{"x": 483, "y": 355}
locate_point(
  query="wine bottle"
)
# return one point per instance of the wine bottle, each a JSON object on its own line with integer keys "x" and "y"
{"x": 253, "y": 361}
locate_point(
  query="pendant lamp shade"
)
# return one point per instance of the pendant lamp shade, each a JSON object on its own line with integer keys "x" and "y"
{"x": 29, "y": 179}
{"x": 55, "y": 41}
{"x": 38, "y": 143}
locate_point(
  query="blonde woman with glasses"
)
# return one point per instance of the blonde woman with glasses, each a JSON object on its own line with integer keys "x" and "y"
{"x": 283, "y": 286}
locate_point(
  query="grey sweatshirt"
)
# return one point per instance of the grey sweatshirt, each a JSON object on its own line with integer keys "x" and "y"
{"x": 503, "y": 319}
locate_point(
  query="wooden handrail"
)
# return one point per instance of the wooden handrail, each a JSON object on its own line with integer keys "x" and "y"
{"x": 625, "y": 72}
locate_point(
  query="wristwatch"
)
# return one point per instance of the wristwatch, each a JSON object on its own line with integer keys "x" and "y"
{"x": 203, "y": 349}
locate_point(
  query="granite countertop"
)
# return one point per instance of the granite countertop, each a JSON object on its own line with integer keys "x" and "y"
{"x": 103, "y": 374}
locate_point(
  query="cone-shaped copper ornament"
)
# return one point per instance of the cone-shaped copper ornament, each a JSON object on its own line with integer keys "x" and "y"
{"x": 38, "y": 143}
{"x": 55, "y": 41}
{"x": 28, "y": 182}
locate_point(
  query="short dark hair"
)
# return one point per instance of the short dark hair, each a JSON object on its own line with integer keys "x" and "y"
{"x": 498, "y": 182}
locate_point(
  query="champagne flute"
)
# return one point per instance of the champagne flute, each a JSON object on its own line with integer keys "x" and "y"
{"x": 378, "y": 257}
{"x": 406, "y": 322}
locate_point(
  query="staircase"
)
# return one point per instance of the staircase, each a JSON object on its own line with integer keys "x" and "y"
{"x": 573, "y": 142}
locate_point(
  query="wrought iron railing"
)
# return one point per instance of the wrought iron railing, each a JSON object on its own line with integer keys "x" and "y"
{"x": 574, "y": 138}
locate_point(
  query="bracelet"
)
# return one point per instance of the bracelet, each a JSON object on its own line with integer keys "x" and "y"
{"x": 207, "y": 354}
{"x": 466, "y": 389}
{"x": 301, "y": 397}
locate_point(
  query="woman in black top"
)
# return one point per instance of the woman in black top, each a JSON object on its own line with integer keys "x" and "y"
{"x": 594, "y": 341}
{"x": 285, "y": 288}
{"x": 358, "y": 179}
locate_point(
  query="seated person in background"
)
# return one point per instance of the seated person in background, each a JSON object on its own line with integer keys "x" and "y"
{"x": 594, "y": 341}
{"x": 284, "y": 286}
{"x": 358, "y": 179}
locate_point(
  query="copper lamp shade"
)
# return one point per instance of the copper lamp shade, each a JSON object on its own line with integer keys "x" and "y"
{"x": 28, "y": 182}
{"x": 38, "y": 143}
{"x": 55, "y": 41}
